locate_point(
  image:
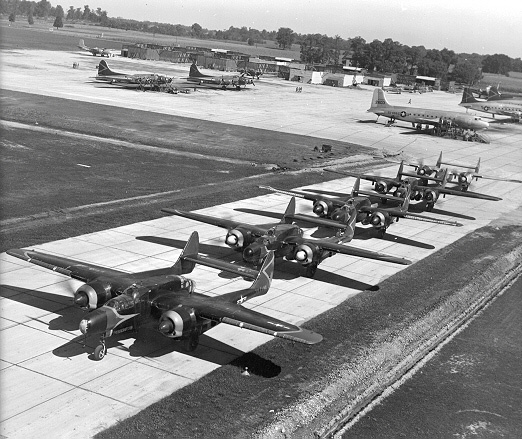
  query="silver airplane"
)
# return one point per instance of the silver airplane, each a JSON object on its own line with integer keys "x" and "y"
{"x": 507, "y": 107}
{"x": 423, "y": 116}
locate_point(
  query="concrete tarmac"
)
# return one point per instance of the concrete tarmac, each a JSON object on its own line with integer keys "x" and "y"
{"x": 46, "y": 373}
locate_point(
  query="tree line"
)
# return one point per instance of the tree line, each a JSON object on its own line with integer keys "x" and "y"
{"x": 386, "y": 56}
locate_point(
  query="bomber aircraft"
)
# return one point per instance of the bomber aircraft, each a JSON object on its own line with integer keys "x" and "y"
{"x": 142, "y": 81}
{"x": 287, "y": 239}
{"x": 507, "y": 107}
{"x": 218, "y": 81}
{"x": 336, "y": 207}
{"x": 422, "y": 116}
{"x": 98, "y": 50}
{"x": 419, "y": 186}
{"x": 117, "y": 301}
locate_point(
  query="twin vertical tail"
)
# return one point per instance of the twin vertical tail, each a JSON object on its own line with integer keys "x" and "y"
{"x": 288, "y": 216}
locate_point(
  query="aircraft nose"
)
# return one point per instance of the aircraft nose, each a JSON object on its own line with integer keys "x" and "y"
{"x": 94, "y": 323}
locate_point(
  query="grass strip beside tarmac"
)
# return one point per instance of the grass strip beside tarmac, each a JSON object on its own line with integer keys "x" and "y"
{"x": 293, "y": 390}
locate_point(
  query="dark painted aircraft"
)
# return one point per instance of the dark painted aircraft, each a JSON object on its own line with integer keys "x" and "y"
{"x": 494, "y": 94}
{"x": 287, "y": 239}
{"x": 98, "y": 50}
{"x": 142, "y": 81}
{"x": 461, "y": 178}
{"x": 218, "y": 81}
{"x": 337, "y": 207}
{"x": 419, "y": 188}
{"x": 118, "y": 302}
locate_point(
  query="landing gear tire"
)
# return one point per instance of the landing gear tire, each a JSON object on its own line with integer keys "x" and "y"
{"x": 100, "y": 352}
{"x": 191, "y": 343}
{"x": 381, "y": 232}
{"x": 311, "y": 269}
{"x": 429, "y": 207}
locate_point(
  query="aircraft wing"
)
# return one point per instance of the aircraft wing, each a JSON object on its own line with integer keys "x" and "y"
{"x": 68, "y": 267}
{"x": 425, "y": 121}
{"x": 369, "y": 177}
{"x": 397, "y": 213}
{"x": 222, "y": 311}
{"x": 220, "y": 222}
{"x": 347, "y": 250}
{"x": 296, "y": 194}
{"x": 467, "y": 194}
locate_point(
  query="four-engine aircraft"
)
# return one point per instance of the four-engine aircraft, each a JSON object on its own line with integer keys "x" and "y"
{"x": 418, "y": 186}
{"x": 494, "y": 94}
{"x": 423, "y": 116}
{"x": 504, "y": 107}
{"x": 337, "y": 208}
{"x": 218, "y": 81}
{"x": 98, "y": 50}
{"x": 118, "y": 301}
{"x": 287, "y": 239}
{"x": 144, "y": 81}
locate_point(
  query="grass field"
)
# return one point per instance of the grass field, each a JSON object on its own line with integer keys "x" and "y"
{"x": 27, "y": 37}
{"x": 511, "y": 83}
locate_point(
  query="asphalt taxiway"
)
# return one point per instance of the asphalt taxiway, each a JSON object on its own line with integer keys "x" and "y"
{"x": 45, "y": 369}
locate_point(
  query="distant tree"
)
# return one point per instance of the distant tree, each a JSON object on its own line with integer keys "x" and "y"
{"x": 467, "y": 71}
{"x": 12, "y": 17}
{"x": 285, "y": 37}
{"x": 498, "y": 63}
{"x": 42, "y": 9}
{"x": 196, "y": 30}
{"x": 70, "y": 13}
{"x": 86, "y": 12}
{"x": 59, "y": 12}
{"x": 58, "y": 22}
{"x": 251, "y": 41}
{"x": 30, "y": 18}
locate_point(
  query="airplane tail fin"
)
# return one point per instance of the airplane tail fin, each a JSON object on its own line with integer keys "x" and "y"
{"x": 260, "y": 286}
{"x": 187, "y": 260}
{"x": 379, "y": 100}
{"x": 356, "y": 187}
{"x": 289, "y": 212}
{"x": 467, "y": 97}
{"x": 194, "y": 72}
{"x": 104, "y": 70}
{"x": 81, "y": 44}
{"x": 406, "y": 203}
{"x": 400, "y": 171}
{"x": 494, "y": 91}
{"x": 439, "y": 161}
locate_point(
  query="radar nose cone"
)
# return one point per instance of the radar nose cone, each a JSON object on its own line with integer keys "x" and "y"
{"x": 166, "y": 327}
{"x": 81, "y": 300}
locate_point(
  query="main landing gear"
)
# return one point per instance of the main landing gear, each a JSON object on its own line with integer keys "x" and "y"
{"x": 311, "y": 269}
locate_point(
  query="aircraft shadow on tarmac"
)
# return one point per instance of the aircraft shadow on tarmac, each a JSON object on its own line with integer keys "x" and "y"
{"x": 360, "y": 232}
{"x": 147, "y": 343}
{"x": 284, "y": 270}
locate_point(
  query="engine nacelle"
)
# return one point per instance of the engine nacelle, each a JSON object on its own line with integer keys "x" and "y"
{"x": 322, "y": 208}
{"x": 92, "y": 295}
{"x": 378, "y": 219}
{"x": 238, "y": 238}
{"x": 431, "y": 196}
{"x": 178, "y": 322}
{"x": 304, "y": 253}
{"x": 382, "y": 186}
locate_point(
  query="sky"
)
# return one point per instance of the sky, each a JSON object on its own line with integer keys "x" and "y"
{"x": 470, "y": 26}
